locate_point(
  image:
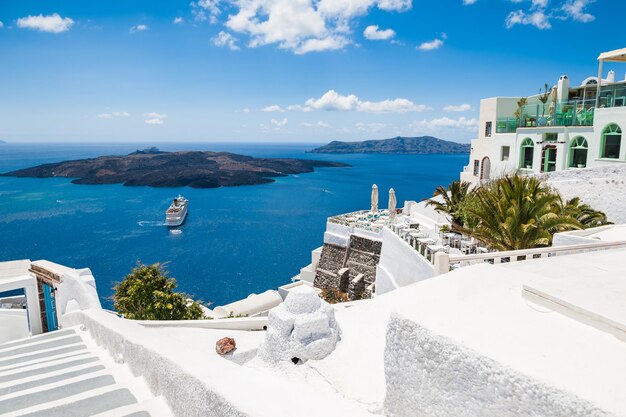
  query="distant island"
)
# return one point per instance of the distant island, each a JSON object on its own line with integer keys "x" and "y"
{"x": 155, "y": 168}
{"x": 1, "y": 142}
{"x": 397, "y": 145}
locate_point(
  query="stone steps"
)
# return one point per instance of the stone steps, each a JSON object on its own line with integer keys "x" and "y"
{"x": 66, "y": 374}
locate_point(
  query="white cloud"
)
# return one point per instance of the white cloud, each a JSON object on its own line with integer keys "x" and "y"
{"x": 138, "y": 28}
{"x": 333, "y": 101}
{"x": 575, "y": 9}
{"x": 52, "y": 23}
{"x": 319, "y": 124}
{"x": 203, "y": 10}
{"x": 155, "y": 115}
{"x": 225, "y": 39}
{"x": 468, "y": 2}
{"x": 178, "y": 20}
{"x": 1, "y": 24}
{"x": 374, "y": 127}
{"x": 246, "y": 110}
{"x": 154, "y": 121}
{"x": 280, "y": 123}
{"x": 431, "y": 45}
{"x": 445, "y": 124}
{"x": 537, "y": 18}
{"x": 273, "y": 108}
{"x": 111, "y": 115}
{"x": 301, "y": 26}
{"x": 459, "y": 108}
{"x": 372, "y": 32}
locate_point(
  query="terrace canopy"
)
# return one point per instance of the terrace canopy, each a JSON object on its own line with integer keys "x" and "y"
{"x": 618, "y": 55}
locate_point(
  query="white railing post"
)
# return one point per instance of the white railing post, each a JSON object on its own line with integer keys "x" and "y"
{"x": 442, "y": 263}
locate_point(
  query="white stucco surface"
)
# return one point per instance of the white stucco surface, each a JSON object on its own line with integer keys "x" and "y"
{"x": 608, "y": 233}
{"x": 195, "y": 381}
{"x": 399, "y": 265}
{"x": 13, "y": 324}
{"x": 603, "y": 188}
{"x": 303, "y": 327}
{"x": 339, "y": 235}
{"x": 470, "y": 333}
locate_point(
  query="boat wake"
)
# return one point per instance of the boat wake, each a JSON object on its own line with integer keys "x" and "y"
{"x": 176, "y": 232}
{"x": 145, "y": 223}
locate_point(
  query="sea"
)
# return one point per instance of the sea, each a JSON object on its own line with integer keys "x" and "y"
{"x": 236, "y": 240}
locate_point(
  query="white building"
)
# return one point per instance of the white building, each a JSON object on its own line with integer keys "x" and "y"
{"x": 566, "y": 127}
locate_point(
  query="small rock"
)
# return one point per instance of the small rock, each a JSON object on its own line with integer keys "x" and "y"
{"x": 225, "y": 345}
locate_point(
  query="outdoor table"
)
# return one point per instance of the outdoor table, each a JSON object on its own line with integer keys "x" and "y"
{"x": 467, "y": 245}
{"x": 452, "y": 238}
{"x": 432, "y": 249}
{"x": 414, "y": 235}
{"x": 423, "y": 242}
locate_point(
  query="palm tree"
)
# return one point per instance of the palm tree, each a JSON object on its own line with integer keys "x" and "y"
{"x": 585, "y": 214}
{"x": 452, "y": 197}
{"x": 517, "y": 212}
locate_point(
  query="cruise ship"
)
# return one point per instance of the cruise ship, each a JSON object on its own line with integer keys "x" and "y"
{"x": 177, "y": 212}
{"x": 565, "y": 127}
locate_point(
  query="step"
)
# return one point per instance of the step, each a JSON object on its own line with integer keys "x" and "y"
{"x": 101, "y": 402}
{"x": 154, "y": 407}
{"x": 38, "y": 338}
{"x": 56, "y": 395}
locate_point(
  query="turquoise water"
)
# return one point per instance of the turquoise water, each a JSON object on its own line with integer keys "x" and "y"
{"x": 236, "y": 240}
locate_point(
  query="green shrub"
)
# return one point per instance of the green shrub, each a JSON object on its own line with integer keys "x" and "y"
{"x": 147, "y": 293}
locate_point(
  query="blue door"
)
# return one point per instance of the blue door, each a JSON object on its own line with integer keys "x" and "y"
{"x": 51, "y": 308}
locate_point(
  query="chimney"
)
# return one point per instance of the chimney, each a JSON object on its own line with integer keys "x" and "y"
{"x": 563, "y": 89}
{"x": 610, "y": 78}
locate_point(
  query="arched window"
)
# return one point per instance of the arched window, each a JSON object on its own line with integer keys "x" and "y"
{"x": 611, "y": 141}
{"x": 578, "y": 152}
{"x": 526, "y": 154}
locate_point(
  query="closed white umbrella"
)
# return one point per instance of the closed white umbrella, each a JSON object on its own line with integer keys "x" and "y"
{"x": 392, "y": 202}
{"x": 374, "y": 198}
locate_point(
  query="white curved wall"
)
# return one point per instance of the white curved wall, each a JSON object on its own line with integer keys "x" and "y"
{"x": 430, "y": 375}
{"x": 13, "y": 324}
{"x": 339, "y": 235}
{"x": 399, "y": 265}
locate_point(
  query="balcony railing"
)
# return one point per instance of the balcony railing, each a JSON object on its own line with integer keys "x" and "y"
{"x": 445, "y": 262}
{"x": 571, "y": 113}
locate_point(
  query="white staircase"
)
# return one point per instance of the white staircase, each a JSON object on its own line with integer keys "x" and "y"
{"x": 65, "y": 374}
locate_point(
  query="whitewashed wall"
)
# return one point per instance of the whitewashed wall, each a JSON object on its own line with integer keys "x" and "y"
{"x": 338, "y": 234}
{"x": 399, "y": 265}
{"x": 430, "y": 375}
{"x": 13, "y": 324}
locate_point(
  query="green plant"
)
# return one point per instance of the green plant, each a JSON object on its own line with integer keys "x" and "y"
{"x": 147, "y": 293}
{"x": 333, "y": 296}
{"x": 517, "y": 212}
{"x": 520, "y": 109}
{"x": 586, "y": 216}
{"x": 452, "y": 198}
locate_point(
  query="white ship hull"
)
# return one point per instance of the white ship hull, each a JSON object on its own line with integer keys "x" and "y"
{"x": 177, "y": 212}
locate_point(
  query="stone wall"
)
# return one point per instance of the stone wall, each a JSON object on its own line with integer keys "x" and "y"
{"x": 351, "y": 269}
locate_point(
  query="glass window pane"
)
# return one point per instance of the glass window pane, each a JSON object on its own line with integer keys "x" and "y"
{"x": 612, "y": 145}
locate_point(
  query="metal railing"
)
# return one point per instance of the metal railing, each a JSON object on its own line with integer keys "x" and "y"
{"x": 445, "y": 262}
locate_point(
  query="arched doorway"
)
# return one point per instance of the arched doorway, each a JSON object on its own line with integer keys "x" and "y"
{"x": 548, "y": 158}
{"x": 485, "y": 168}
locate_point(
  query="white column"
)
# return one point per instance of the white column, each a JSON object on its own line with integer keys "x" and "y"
{"x": 599, "y": 83}
{"x": 34, "y": 312}
{"x": 442, "y": 263}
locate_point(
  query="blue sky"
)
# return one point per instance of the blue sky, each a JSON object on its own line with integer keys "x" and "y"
{"x": 284, "y": 70}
